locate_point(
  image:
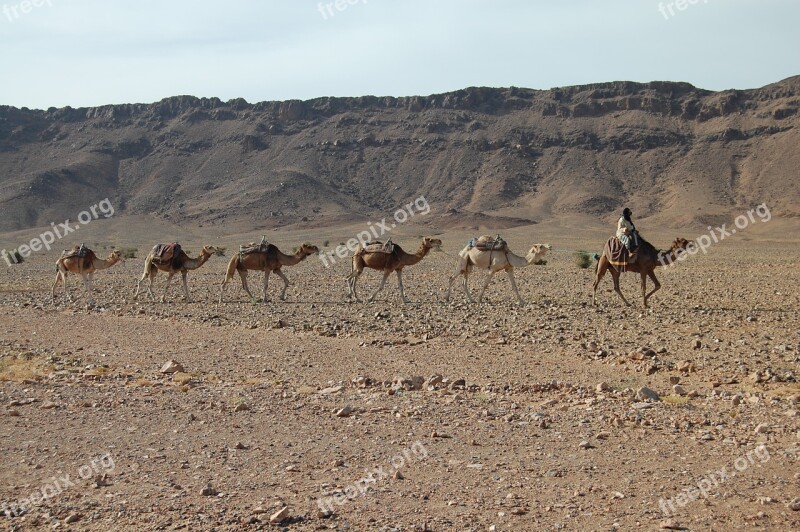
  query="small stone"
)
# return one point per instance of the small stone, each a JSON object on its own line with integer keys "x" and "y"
{"x": 331, "y": 390}
{"x": 398, "y": 475}
{"x": 13, "y": 413}
{"x": 674, "y": 379}
{"x": 697, "y": 344}
{"x": 72, "y": 518}
{"x": 279, "y": 516}
{"x": 585, "y": 444}
{"x": 762, "y": 428}
{"x": 48, "y": 405}
{"x": 672, "y": 524}
{"x": 679, "y": 390}
{"x": 602, "y": 387}
{"x": 345, "y": 411}
{"x": 603, "y": 435}
{"x": 171, "y": 366}
{"x": 101, "y": 481}
{"x": 794, "y": 505}
{"x": 644, "y": 394}
{"x": 736, "y": 400}
{"x": 239, "y": 445}
{"x": 242, "y": 407}
{"x": 209, "y": 491}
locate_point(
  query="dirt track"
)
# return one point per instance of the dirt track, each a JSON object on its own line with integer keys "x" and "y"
{"x": 528, "y": 442}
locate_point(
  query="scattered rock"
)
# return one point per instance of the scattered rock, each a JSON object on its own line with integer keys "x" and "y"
{"x": 209, "y": 491}
{"x": 345, "y": 411}
{"x": 672, "y": 524}
{"x": 280, "y": 516}
{"x": 242, "y": 407}
{"x": 72, "y": 518}
{"x": 602, "y": 387}
{"x": 794, "y": 505}
{"x": 762, "y": 428}
{"x": 586, "y": 444}
{"x": 679, "y": 390}
{"x": 171, "y": 366}
{"x": 646, "y": 394}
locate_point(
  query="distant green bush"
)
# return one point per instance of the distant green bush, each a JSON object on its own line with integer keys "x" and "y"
{"x": 583, "y": 259}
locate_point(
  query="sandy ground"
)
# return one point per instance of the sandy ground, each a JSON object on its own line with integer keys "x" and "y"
{"x": 530, "y": 422}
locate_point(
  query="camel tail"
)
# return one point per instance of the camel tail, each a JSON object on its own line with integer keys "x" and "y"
{"x": 596, "y": 257}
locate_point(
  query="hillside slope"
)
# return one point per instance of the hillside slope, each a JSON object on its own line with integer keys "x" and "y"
{"x": 678, "y": 154}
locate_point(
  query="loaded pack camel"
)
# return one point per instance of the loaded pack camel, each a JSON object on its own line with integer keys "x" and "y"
{"x": 265, "y": 258}
{"x": 386, "y": 258}
{"x": 173, "y": 260}
{"x": 82, "y": 261}
{"x": 493, "y": 261}
{"x": 648, "y": 258}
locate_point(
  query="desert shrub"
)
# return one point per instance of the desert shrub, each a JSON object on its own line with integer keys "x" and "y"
{"x": 220, "y": 252}
{"x": 583, "y": 259}
{"x": 540, "y": 262}
{"x": 325, "y": 244}
{"x": 128, "y": 253}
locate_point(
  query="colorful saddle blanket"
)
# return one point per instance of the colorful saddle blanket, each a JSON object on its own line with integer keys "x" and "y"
{"x": 76, "y": 251}
{"x": 617, "y": 253}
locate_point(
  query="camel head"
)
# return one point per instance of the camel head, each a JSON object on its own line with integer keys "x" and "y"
{"x": 208, "y": 251}
{"x": 538, "y": 251}
{"x": 116, "y": 256}
{"x": 432, "y": 243}
{"x": 307, "y": 249}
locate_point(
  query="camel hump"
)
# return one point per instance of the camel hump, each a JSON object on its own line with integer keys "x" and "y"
{"x": 253, "y": 247}
{"x": 488, "y": 243}
{"x": 76, "y": 251}
{"x": 376, "y": 246}
{"x": 163, "y": 253}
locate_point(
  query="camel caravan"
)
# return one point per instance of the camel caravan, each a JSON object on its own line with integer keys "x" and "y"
{"x": 625, "y": 252}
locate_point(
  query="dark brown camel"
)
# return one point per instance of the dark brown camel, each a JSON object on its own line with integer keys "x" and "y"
{"x": 648, "y": 259}
{"x": 268, "y": 261}
{"x": 388, "y": 263}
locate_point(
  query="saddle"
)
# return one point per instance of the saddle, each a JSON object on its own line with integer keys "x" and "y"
{"x": 618, "y": 255}
{"x": 488, "y": 243}
{"x": 379, "y": 247}
{"x": 76, "y": 251}
{"x": 252, "y": 247}
{"x": 165, "y": 253}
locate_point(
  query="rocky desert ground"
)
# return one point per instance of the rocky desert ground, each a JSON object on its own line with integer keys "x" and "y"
{"x": 318, "y": 413}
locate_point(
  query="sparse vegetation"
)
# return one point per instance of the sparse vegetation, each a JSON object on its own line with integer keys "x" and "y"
{"x": 220, "y": 252}
{"x": 325, "y": 243}
{"x": 129, "y": 253}
{"x": 583, "y": 259}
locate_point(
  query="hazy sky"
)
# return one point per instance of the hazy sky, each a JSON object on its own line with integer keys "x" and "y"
{"x": 92, "y": 52}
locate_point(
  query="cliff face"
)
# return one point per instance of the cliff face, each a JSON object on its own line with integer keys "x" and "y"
{"x": 670, "y": 150}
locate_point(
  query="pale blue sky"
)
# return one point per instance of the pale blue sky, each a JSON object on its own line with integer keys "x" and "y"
{"x": 92, "y": 52}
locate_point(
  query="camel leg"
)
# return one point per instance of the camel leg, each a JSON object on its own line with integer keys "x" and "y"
{"x": 485, "y": 284}
{"x": 400, "y": 286}
{"x": 55, "y": 284}
{"x": 166, "y": 288}
{"x": 450, "y": 284}
{"x": 245, "y": 286}
{"x": 513, "y": 282}
{"x": 87, "y": 286}
{"x": 266, "y": 283}
{"x": 383, "y": 282}
{"x": 280, "y": 274}
{"x": 599, "y": 273}
{"x": 465, "y": 284}
{"x": 150, "y": 285}
{"x": 652, "y": 275}
{"x": 615, "y": 277}
{"x": 351, "y": 283}
{"x": 185, "y": 286}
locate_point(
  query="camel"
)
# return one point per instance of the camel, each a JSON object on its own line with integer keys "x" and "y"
{"x": 85, "y": 267}
{"x": 494, "y": 261}
{"x": 648, "y": 259}
{"x": 387, "y": 263}
{"x": 268, "y": 261}
{"x": 181, "y": 263}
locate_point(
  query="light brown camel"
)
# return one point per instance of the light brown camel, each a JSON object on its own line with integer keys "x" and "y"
{"x": 388, "y": 263}
{"x": 271, "y": 260}
{"x": 648, "y": 259}
{"x": 493, "y": 261}
{"x": 181, "y": 263}
{"x": 85, "y": 267}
